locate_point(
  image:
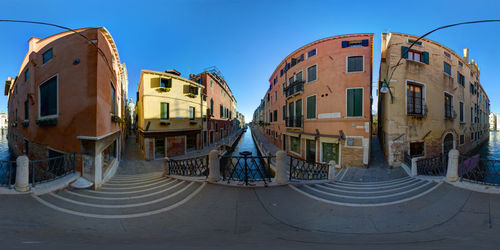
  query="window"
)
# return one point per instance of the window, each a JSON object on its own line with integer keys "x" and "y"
{"x": 191, "y": 142}
{"x": 164, "y": 111}
{"x": 211, "y": 84}
{"x": 191, "y": 113}
{"x": 295, "y": 144}
{"x": 275, "y": 96}
{"x": 48, "y": 98}
{"x": 290, "y": 80}
{"x": 47, "y": 55}
{"x": 354, "y": 102}
{"x": 471, "y": 115}
{"x": 311, "y": 73}
{"x": 462, "y": 139}
{"x": 460, "y": 79}
{"x": 298, "y": 76}
{"x": 447, "y": 54}
{"x": 462, "y": 118}
{"x": 471, "y": 88}
{"x": 447, "y": 68}
{"x": 270, "y": 116}
{"x": 415, "y": 42}
{"x": 281, "y": 72}
{"x": 460, "y": 64}
{"x": 311, "y": 107}
{"x": 26, "y": 110}
{"x": 472, "y": 136}
{"x": 355, "y": 64}
{"x": 448, "y": 106}
{"x": 166, "y": 83}
{"x": 275, "y": 115}
{"x": 275, "y": 80}
{"x": 414, "y": 99}
{"x": 354, "y": 43}
{"x": 417, "y": 149}
{"x": 211, "y": 106}
{"x": 27, "y": 75}
{"x": 113, "y": 99}
{"x": 221, "y": 111}
{"x": 414, "y": 55}
{"x": 284, "y": 112}
{"x": 311, "y": 53}
{"x": 330, "y": 152}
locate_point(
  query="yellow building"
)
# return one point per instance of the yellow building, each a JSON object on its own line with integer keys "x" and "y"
{"x": 171, "y": 114}
{"x": 436, "y": 102}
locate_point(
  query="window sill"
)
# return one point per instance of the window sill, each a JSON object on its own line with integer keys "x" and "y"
{"x": 297, "y": 154}
{"x": 417, "y": 62}
{"x": 347, "y": 72}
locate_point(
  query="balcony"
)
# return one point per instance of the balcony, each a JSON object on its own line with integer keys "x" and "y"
{"x": 294, "y": 89}
{"x": 295, "y": 122}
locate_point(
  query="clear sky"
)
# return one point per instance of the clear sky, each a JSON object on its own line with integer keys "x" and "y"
{"x": 246, "y": 40}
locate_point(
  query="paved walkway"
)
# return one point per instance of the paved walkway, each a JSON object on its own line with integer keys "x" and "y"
{"x": 133, "y": 161}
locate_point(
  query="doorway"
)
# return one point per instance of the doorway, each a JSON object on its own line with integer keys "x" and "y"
{"x": 159, "y": 148}
{"x": 310, "y": 150}
{"x": 448, "y": 144}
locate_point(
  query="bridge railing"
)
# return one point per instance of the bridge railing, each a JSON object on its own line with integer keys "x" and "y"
{"x": 304, "y": 170}
{"x": 477, "y": 170}
{"x": 246, "y": 168}
{"x": 434, "y": 166}
{"x": 7, "y": 173}
{"x": 51, "y": 168}
{"x": 197, "y": 166}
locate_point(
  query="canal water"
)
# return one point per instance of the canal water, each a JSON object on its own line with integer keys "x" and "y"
{"x": 491, "y": 149}
{"x": 246, "y": 143}
{"x": 4, "y": 146}
{"x": 255, "y": 167}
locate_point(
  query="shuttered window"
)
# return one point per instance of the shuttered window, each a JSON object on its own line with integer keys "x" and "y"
{"x": 298, "y": 76}
{"x": 311, "y": 107}
{"x": 221, "y": 111}
{"x": 191, "y": 113}
{"x": 355, "y": 64}
{"x": 462, "y": 118}
{"x": 166, "y": 83}
{"x": 26, "y": 110}
{"x": 284, "y": 112}
{"x": 275, "y": 115}
{"x": 354, "y": 102}
{"x": 113, "y": 99}
{"x": 164, "y": 111}
{"x": 298, "y": 108}
{"x": 447, "y": 68}
{"x": 311, "y": 73}
{"x": 48, "y": 97}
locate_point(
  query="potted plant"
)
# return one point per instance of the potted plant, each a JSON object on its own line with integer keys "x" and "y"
{"x": 46, "y": 122}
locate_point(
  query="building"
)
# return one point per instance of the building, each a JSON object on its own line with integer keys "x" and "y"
{"x": 318, "y": 105}
{"x": 498, "y": 121}
{"x": 171, "y": 111}
{"x": 4, "y": 120}
{"x": 434, "y": 101}
{"x": 68, "y": 97}
{"x": 221, "y": 105}
{"x": 493, "y": 121}
{"x": 131, "y": 114}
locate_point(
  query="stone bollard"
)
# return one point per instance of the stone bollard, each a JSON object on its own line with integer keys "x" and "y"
{"x": 22, "y": 174}
{"x": 452, "y": 173}
{"x": 331, "y": 170}
{"x": 281, "y": 176}
{"x": 213, "y": 166}
{"x": 413, "y": 166}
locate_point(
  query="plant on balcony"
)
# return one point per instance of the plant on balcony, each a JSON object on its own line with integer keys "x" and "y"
{"x": 192, "y": 95}
{"x": 25, "y": 123}
{"x": 193, "y": 122}
{"x": 163, "y": 89}
{"x": 164, "y": 123}
{"x": 46, "y": 122}
{"x": 117, "y": 119}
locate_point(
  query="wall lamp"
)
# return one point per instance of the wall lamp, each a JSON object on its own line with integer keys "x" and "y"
{"x": 385, "y": 88}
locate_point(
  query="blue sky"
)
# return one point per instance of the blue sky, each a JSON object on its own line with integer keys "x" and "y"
{"x": 247, "y": 39}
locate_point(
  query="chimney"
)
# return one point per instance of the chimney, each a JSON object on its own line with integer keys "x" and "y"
{"x": 191, "y": 76}
{"x": 32, "y": 43}
{"x": 466, "y": 55}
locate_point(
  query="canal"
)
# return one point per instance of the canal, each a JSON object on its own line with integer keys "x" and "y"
{"x": 246, "y": 143}
{"x": 4, "y": 146}
{"x": 491, "y": 149}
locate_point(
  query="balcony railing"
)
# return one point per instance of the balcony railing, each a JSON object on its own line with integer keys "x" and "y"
{"x": 294, "y": 88}
{"x": 417, "y": 110}
{"x": 450, "y": 114}
{"x": 294, "y": 122}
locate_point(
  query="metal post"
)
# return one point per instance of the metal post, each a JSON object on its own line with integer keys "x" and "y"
{"x": 290, "y": 172}
{"x": 246, "y": 171}
{"x": 10, "y": 172}
{"x": 33, "y": 174}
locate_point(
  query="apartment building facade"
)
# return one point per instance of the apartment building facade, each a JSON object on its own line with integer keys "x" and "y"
{"x": 68, "y": 97}
{"x": 318, "y": 105}
{"x": 221, "y": 105}
{"x": 170, "y": 114}
{"x": 493, "y": 121}
{"x": 434, "y": 101}
{"x": 4, "y": 120}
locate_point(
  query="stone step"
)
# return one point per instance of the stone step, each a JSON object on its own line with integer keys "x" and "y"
{"x": 361, "y": 187}
{"x": 120, "y": 177}
{"x": 368, "y": 192}
{"x": 113, "y": 182}
{"x": 375, "y": 200}
{"x": 371, "y": 183}
{"x": 125, "y": 199}
{"x": 139, "y": 185}
{"x": 122, "y": 209}
{"x": 128, "y": 192}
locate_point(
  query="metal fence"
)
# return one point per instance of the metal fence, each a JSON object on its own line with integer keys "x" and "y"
{"x": 52, "y": 168}
{"x": 197, "y": 166}
{"x": 303, "y": 170}
{"x": 435, "y": 166}
{"x": 477, "y": 170}
{"x": 407, "y": 159}
{"x": 246, "y": 168}
{"x": 7, "y": 173}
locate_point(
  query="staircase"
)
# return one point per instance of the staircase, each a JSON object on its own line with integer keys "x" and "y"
{"x": 367, "y": 194}
{"x": 124, "y": 196}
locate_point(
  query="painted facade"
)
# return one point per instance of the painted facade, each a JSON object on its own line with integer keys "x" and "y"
{"x": 171, "y": 114}
{"x": 318, "y": 105}
{"x": 221, "y": 105}
{"x": 62, "y": 98}
{"x": 435, "y": 103}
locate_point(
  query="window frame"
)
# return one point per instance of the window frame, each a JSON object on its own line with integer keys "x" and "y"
{"x": 423, "y": 151}
{"x": 291, "y": 146}
{"x": 461, "y": 107}
{"x": 307, "y": 73}
{"x": 168, "y": 111}
{"x": 362, "y": 102}
{"x": 57, "y": 98}
{"x": 114, "y": 103}
{"x": 445, "y": 63}
{"x": 193, "y": 114}
{"x": 347, "y": 64}
{"x": 315, "y": 108}
{"x": 445, "y": 93}
{"x": 424, "y": 87}
{"x": 315, "y": 53}
{"x": 51, "y": 56}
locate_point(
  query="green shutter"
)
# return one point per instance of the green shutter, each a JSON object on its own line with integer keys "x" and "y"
{"x": 425, "y": 57}
{"x": 298, "y": 108}
{"x": 350, "y": 102}
{"x": 164, "y": 112}
{"x": 311, "y": 107}
{"x": 291, "y": 110}
{"x": 169, "y": 83}
{"x": 404, "y": 52}
{"x": 284, "y": 112}
{"x": 358, "y": 102}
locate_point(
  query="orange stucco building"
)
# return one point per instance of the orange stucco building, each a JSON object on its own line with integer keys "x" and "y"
{"x": 68, "y": 97}
{"x": 318, "y": 105}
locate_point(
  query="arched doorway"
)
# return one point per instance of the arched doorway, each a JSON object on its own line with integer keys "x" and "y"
{"x": 448, "y": 143}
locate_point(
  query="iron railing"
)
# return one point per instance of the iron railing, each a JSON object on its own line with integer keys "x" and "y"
{"x": 407, "y": 159}
{"x": 52, "y": 168}
{"x": 246, "y": 168}
{"x": 197, "y": 166}
{"x": 294, "y": 122}
{"x": 435, "y": 166}
{"x": 477, "y": 170}
{"x": 295, "y": 88}
{"x": 304, "y": 170}
{"x": 7, "y": 173}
